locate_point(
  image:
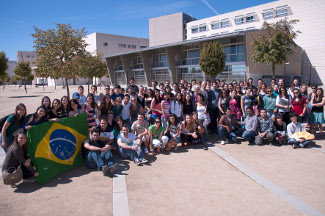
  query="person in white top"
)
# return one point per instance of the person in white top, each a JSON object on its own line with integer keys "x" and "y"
{"x": 176, "y": 106}
{"x": 129, "y": 144}
{"x": 294, "y": 127}
{"x": 126, "y": 116}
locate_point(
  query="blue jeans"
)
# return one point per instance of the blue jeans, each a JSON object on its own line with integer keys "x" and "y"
{"x": 164, "y": 122}
{"x": 293, "y": 141}
{"x": 249, "y": 136}
{"x": 125, "y": 153}
{"x": 128, "y": 121}
{"x": 98, "y": 159}
{"x": 223, "y": 133}
{"x": 9, "y": 141}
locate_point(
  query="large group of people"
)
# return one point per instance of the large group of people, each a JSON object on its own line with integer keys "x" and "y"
{"x": 139, "y": 120}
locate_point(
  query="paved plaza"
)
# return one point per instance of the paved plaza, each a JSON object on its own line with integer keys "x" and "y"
{"x": 232, "y": 179}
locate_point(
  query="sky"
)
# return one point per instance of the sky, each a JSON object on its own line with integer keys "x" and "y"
{"x": 127, "y": 17}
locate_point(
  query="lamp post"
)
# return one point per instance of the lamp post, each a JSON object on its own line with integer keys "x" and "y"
{"x": 284, "y": 72}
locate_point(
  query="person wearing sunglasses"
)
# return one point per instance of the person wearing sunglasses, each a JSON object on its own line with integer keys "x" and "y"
{"x": 269, "y": 102}
{"x": 298, "y": 105}
{"x": 157, "y": 139}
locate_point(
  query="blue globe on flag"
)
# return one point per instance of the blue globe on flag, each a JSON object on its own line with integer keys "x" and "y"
{"x": 62, "y": 143}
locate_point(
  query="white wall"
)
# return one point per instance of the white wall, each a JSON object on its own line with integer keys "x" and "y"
{"x": 311, "y": 15}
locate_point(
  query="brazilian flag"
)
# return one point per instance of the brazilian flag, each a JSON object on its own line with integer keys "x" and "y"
{"x": 54, "y": 147}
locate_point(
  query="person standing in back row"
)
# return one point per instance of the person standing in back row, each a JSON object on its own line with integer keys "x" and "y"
{"x": 213, "y": 100}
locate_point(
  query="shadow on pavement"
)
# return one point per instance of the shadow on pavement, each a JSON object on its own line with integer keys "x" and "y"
{"x": 25, "y": 96}
{"x": 63, "y": 178}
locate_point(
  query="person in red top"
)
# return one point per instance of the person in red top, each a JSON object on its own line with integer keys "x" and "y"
{"x": 298, "y": 105}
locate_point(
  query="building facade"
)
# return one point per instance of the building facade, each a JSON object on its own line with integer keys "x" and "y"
{"x": 174, "y": 55}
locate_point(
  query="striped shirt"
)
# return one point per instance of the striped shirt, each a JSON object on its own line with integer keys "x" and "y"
{"x": 166, "y": 108}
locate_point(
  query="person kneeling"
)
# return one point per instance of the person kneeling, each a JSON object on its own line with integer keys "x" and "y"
{"x": 157, "y": 139}
{"x": 98, "y": 154}
{"x": 293, "y": 128}
{"x": 265, "y": 128}
{"x": 129, "y": 144}
{"x": 229, "y": 128}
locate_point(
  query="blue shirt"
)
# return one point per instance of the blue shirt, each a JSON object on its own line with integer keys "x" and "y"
{"x": 213, "y": 96}
{"x": 114, "y": 96}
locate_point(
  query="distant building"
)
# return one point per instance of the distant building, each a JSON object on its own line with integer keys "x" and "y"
{"x": 10, "y": 71}
{"x": 174, "y": 50}
{"x": 97, "y": 42}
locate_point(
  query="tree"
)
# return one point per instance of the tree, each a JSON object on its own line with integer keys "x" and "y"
{"x": 23, "y": 72}
{"x": 3, "y": 67}
{"x": 58, "y": 51}
{"x": 274, "y": 43}
{"x": 92, "y": 66}
{"x": 212, "y": 58}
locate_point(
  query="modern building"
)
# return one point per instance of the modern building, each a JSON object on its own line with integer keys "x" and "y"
{"x": 175, "y": 49}
{"x": 10, "y": 71}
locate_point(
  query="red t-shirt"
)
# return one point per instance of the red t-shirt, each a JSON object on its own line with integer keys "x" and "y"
{"x": 298, "y": 107}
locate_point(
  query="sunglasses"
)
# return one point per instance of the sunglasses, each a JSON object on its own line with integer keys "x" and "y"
{"x": 157, "y": 122}
{"x": 313, "y": 88}
{"x": 269, "y": 91}
{"x": 296, "y": 92}
{"x": 107, "y": 89}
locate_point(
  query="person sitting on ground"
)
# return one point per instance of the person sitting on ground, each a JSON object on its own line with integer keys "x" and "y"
{"x": 129, "y": 144}
{"x": 294, "y": 127}
{"x": 250, "y": 126}
{"x": 157, "y": 139}
{"x": 280, "y": 129}
{"x": 228, "y": 127}
{"x": 265, "y": 128}
{"x": 106, "y": 133}
{"x": 173, "y": 132}
{"x": 17, "y": 157}
{"x": 139, "y": 128}
{"x": 198, "y": 128}
{"x": 98, "y": 154}
{"x": 188, "y": 131}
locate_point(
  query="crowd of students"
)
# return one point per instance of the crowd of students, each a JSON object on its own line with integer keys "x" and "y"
{"x": 138, "y": 120}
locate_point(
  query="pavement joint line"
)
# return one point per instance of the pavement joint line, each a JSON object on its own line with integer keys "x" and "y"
{"x": 120, "y": 197}
{"x": 284, "y": 195}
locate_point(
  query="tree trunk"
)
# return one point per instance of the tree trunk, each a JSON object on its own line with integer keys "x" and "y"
{"x": 95, "y": 81}
{"x": 273, "y": 69}
{"x": 54, "y": 84}
{"x": 43, "y": 85}
{"x": 67, "y": 85}
{"x": 100, "y": 83}
{"x": 25, "y": 85}
{"x": 88, "y": 84}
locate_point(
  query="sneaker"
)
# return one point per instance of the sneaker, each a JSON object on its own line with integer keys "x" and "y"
{"x": 294, "y": 146}
{"x": 301, "y": 145}
{"x": 114, "y": 168}
{"x": 146, "y": 150}
{"x": 143, "y": 161}
{"x": 175, "y": 148}
{"x": 105, "y": 170}
{"x": 223, "y": 142}
{"x": 227, "y": 140}
{"x": 136, "y": 161}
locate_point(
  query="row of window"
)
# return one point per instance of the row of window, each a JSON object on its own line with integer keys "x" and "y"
{"x": 252, "y": 17}
{"x": 29, "y": 56}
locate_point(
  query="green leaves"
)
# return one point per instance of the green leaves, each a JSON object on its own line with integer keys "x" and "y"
{"x": 23, "y": 71}
{"x": 3, "y": 66}
{"x": 274, "y": 43}
{"x": 212, "y": 58}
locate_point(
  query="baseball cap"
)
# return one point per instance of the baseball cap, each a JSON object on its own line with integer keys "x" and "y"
{"x": 76, "y": 95}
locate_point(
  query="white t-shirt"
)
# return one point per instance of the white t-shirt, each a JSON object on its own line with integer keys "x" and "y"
{"x": 126, "y": 110}
{"x": 110, "y": 135}
{"x": 129, "y": 141}
{"x": 173, "y": 130}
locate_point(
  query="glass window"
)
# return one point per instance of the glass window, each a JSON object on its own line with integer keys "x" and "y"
{"x": 134, "y": 46}
{"x": 239, "y": 20}
{"x": 224, "y": 23}
{"x": 193, "y": 54}
{"x": 215, "y": 25}
{"x": 28, "y": 56}
{"x": 268, "y": 14}
{"x": 33, "y": 56}
{"x": 129, "y": 46}
{"x": 195, "y": 30}
{"x": 143, "y": 47}
{"x": 122, "y": 45}
{"x": 203, "y": 28}
{"x": 240, "y": 48}
{"x": 283, "y": 11}
{"x": 105, "y": 44}
{"x": 250, "y": 18}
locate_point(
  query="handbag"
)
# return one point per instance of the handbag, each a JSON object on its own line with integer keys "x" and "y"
{"x": 12, "y": 175}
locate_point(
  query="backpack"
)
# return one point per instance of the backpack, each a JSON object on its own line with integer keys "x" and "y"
{"x": 4, "y": 119}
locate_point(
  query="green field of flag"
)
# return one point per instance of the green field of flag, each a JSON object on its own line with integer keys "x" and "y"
{"x": 55, "y": 147}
